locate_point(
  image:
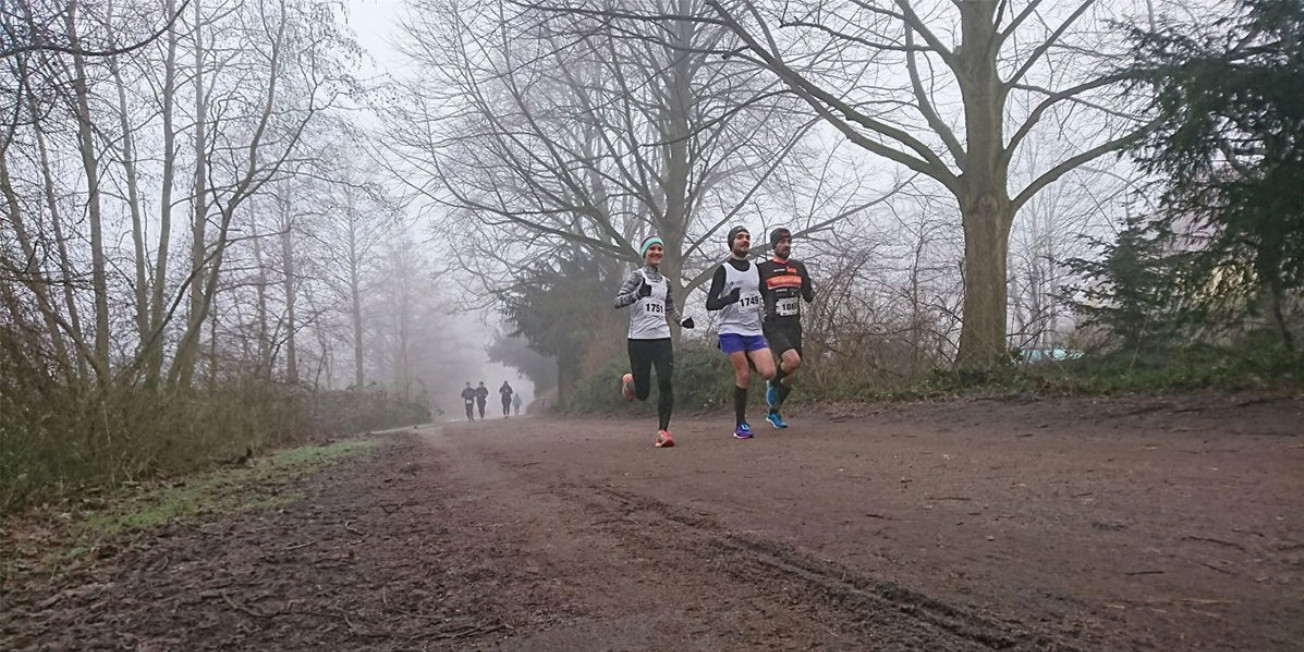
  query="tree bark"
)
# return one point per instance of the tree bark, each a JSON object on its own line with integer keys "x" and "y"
{"x": 188, "y": 350}
{"x": 985, "y": 207}
{"x": 133, "y": 204}
{"x": 291, "y": 287}
{"x": 90, "y": 166}
{"x": 154, "y": 346}
{"x": 262, "y": 338}
{"x": 355, "y": 290}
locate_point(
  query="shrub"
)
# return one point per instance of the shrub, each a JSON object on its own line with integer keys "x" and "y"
{"x": 70, "y": 439}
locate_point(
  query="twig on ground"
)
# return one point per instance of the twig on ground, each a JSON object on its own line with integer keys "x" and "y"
{"x": 1213, "y": 567}
{"x": 350, "y": 528}
{"x": 242, "y": 608}
{"x": 1230, "y": 544}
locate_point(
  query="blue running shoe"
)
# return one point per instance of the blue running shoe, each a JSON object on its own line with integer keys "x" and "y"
{"x": 776, "y": 420}
{"x": 743, "y": 431}
{"x": 771, "y": 394}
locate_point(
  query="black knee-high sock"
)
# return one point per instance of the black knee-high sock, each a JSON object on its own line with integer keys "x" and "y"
{"x": 740, "y": 405}
{"x": 779, "y": 373}
{"x": 783, "y": 391}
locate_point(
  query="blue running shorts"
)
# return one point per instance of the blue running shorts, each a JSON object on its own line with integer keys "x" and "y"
{"x": 734, "y": 343}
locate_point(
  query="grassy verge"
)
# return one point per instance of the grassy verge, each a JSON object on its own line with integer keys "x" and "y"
{"x": 703, "y": 379}
{"x": 263, "y": 483}
{"x": 224, "y": 490}
{"x": 67, "y": 442}
{"x": 1184, "y": 370}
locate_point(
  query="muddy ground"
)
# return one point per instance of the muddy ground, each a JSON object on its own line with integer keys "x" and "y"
{"x": 1120, "y": 524}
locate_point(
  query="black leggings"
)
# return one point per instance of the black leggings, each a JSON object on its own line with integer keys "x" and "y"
{"x": 643, "y": 354}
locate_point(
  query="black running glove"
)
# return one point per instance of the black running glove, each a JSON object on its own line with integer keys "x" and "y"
{"x": 644, "y": 290}
{"x": 687, "y": 323}
{"x": 734, "y": 296}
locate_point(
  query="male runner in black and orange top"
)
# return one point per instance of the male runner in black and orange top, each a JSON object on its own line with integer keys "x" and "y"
{"x": 784, "y": 282}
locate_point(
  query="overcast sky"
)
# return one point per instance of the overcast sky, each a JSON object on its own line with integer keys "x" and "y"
{"x": 375, "y": 22}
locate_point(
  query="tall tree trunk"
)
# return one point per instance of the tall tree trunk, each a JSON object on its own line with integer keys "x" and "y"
{"x": 212, "y": 350}
{"x": 985, "y": 207}
{"x": 133, "y": 204}
{"x": 90, "y": 165}
{"x": 188, "y": 350}
{"x": 154, "y": 350}
{"x": 263, "y": 364}
{"x": 678, "y": 164}
{"x": 1276, "y": 293}
{"x": 987, "y": 223}
{"x": 354, "y": 263}
{"x": 291, "y": 289}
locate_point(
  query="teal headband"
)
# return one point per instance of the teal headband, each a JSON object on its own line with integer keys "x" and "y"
{"x": 647, "y": 243}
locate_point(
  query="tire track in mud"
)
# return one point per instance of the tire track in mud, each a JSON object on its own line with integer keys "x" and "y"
{"x": 882, "y": 613}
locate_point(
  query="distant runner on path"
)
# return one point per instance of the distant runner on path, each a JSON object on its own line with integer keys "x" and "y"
{"x": 784, "y": 283}
{"x": 505, "y": 393}
{"x": 516, "y": 403}
{"x": 481, "y": 396}
{"x": 736, "y": 293}
{"x": 468, "y": 397}
{"x": 648, "y": 291}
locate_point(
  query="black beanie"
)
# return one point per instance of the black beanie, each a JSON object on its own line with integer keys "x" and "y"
{"x": 779, "y": 234}
{"x": 733, "y": 233}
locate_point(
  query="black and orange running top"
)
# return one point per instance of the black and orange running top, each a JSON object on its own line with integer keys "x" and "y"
{"x": 783, "y": 284}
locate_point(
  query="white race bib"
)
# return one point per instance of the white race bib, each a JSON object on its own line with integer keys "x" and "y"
{"x": 787, "y": 307}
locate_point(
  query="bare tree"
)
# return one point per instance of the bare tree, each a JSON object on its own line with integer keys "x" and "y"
{"x": 544, "y": 129}
{"x": 951, "y": 90}
{"x": 261, "y": 134}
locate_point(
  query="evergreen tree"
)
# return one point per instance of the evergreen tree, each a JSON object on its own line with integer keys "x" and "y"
{"x": 1230, "y": 148}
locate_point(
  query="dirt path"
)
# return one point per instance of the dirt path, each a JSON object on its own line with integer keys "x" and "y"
{"x": 1125, "y": 524}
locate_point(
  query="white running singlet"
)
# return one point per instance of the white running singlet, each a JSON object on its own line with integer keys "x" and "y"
{"x": 647, "y": 317}
{"x": 744, "y": 316}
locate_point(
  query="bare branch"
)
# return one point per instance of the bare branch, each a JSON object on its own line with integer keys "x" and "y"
{"x": 926, "y": 107}
{"x": 1053, "y": 98}
{"x": 1050, "y": 42}
{"x": 1073, "y": 162}
{"x": 826, "y": 103}
{"x": 82, "y": 52}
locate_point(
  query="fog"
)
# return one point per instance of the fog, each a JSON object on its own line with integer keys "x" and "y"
{"x": 374, "y": 195}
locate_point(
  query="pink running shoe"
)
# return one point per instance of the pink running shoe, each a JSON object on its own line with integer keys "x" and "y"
{"x": 627, "y": 386}
{"x": 664, "y": 440}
